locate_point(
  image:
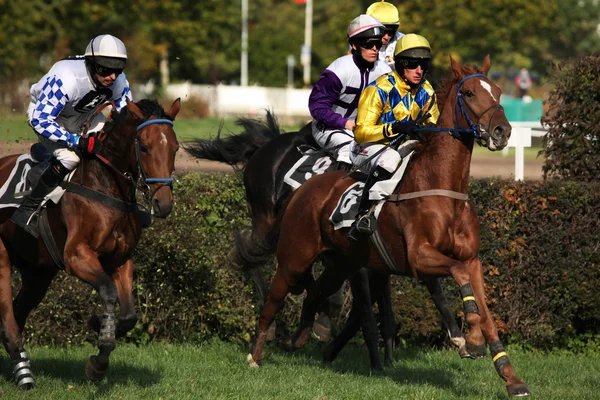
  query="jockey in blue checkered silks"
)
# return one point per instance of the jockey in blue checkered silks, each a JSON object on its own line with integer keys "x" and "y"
{"x": 61, "y": 103}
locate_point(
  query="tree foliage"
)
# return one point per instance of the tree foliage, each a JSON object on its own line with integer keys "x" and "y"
{"x": 202, "y": 40}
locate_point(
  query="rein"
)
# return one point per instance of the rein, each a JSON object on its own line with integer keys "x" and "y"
{"x": 142, "y": 183}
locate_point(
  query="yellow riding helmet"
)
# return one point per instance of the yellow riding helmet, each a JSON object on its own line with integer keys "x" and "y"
{"x": 385, "y": 12}
{"x": 414, "y": 46}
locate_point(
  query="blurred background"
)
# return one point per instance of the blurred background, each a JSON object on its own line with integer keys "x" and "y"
{"x": 190, "y": 48}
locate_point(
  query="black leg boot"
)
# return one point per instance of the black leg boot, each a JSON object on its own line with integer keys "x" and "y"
{"x": 26, "y": 215}
{"x": 361, "y": 225}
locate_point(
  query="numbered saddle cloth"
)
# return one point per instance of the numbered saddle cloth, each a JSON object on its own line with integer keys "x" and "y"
{"x": 345, "y": 211}
{"x": 313, "y": 162}
{"x": 20, "y": 182}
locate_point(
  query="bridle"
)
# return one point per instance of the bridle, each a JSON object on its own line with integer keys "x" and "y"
{"x": 474, "y": 128}
{"x": 142, "y": 182}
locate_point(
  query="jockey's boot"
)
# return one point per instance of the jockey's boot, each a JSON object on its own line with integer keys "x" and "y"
{"x": 26, "y": 215}
{"x": 362, "y": 225}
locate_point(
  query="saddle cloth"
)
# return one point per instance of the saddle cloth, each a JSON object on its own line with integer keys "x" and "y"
{"x": 18, "y": 184}
{"x": 345, "y": 211}
{"x": 313, "y": 162}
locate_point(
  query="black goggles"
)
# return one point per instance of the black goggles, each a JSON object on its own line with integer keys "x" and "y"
{"x": 369, "y": 43}
{"x": 104, "y": 71}
{"x": 413, "y": 63}
{"x": 390, "y": 30}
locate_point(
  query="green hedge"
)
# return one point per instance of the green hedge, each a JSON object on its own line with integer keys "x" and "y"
{"x": 539, "y": 249}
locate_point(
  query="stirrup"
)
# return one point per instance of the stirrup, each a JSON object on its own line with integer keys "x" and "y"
{"x": 363, "y": 224}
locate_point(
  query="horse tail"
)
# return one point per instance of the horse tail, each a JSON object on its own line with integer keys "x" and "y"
{"x": 249, "y": 255}
{"x": 236, "y": 150}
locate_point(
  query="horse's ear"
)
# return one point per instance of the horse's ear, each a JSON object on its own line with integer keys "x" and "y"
{"x": 486, "y": 65}
{"x": 456, "y": 68}
{"x": 175, "y": 108}
{"x": 135, "y": 110}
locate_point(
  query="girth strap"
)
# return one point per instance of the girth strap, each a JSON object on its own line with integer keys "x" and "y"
{"x": 100, "y": 197}
{"x": 48, "y": 239}
{"x": 433, "y": 192}
{"x": 381, "y": 247}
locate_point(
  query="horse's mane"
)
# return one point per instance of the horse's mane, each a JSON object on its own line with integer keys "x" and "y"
{"x": 148, "y": 107}
{"x": 443, "y": 87}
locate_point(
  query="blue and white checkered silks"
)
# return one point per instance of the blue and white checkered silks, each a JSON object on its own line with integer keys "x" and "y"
{"x": 51, "y": 102}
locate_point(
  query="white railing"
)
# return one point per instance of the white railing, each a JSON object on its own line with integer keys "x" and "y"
{"x": 521, "y": 138}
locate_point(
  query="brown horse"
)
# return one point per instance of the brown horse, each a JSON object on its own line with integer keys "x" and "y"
{"x": 428, "y": 236}
{"x": 96, "y": 226}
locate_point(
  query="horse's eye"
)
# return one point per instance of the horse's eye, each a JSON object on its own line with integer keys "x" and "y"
{"x": 143, "y": 148}
{"x": 468, "y": 93}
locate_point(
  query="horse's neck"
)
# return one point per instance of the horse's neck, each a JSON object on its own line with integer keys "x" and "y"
{"x": 446, "y": 160}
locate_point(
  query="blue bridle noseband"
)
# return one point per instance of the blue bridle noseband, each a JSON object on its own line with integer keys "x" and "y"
{"x": 143, "y": 181}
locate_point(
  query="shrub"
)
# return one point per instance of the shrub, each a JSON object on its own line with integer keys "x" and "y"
{"x": 539, "y": 251}
{"x": 572, "y": 144}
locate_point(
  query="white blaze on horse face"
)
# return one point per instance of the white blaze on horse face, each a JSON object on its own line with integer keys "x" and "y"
{"x": 163, "y": 141}
{"x": 488, "y": 87}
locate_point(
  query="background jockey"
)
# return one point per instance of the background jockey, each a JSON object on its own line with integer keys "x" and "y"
{"x": 334, "y": 98}
{"x": 61, "y": 102}
{"x": 388, "y": 15}
{"x": 383, "y": 115}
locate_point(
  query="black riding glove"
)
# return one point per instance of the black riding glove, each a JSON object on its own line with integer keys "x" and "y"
{"x": 89, "y": 144}
{"x": 406, "y": 128}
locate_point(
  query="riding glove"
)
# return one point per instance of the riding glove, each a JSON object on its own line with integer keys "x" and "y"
{"x": 406, "y": 128}
{"x": 89, "y": 144}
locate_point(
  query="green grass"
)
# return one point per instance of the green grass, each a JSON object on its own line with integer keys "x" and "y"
{"x": 218, "y": 371}
{"x": 15, "y": 128}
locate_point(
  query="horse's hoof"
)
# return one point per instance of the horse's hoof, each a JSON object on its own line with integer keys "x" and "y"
{"x": 476, "y": 351}
{"x": 251, "y": 362}
{"x": 464, "y": 353}
{"x": 94, "y": 371}
{"x": 321, "y": 332}
{"x": 518, "y": 390}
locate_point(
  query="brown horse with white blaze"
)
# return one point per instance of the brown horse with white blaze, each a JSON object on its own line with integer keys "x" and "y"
{"x": 434, "y": 234}
{"x": 96, "y": 227}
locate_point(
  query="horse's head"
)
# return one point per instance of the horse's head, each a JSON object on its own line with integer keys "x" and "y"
{"x": 478, "y": 106}
{"x": 154, "y": 153}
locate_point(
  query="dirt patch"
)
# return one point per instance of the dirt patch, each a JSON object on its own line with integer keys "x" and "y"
{"x": 481, "y": 166}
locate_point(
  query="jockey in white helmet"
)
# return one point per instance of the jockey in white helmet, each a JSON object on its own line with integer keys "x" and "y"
{"x": 334, "y": 98}
{"x": 60, "y": 104}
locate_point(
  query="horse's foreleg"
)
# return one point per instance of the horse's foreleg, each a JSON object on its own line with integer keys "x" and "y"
{"x": 514, "y": 385}
{"x": 123, "y": 280}
{"x": 280, "y": 287}
{"x": 9, "y": 329}
{"x": 84, "y": 264}
{"x": 441, "y": 303}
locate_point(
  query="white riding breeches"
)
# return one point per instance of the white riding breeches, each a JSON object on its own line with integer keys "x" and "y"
{"x": 335, "y": 141}
{"x": 389, "y": 159}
